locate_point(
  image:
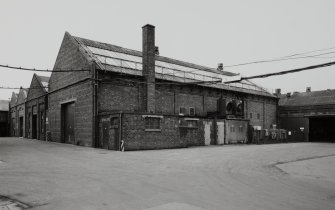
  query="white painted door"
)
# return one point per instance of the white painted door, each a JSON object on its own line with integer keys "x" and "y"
{"x": 220, "y": 139}
{"x": 208, "y": 133}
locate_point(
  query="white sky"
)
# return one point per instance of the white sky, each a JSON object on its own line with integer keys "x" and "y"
{"x": 201, "y": 32}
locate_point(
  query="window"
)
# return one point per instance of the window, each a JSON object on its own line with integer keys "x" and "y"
{"x": 232, "y": 129}
{"x": 114, "y": 121}
{"x": 192, "y": 111}
{"x": 182, "y": 111}
{"x": 250, "y": 115}
{"x": 258, "y": 116}
{"x": 152, "y": 123}
{"x": 240, "y": 129}
{"x": 189, "y": 122}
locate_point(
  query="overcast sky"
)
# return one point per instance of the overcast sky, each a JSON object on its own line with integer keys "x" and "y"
{"x": 201, "y": 32}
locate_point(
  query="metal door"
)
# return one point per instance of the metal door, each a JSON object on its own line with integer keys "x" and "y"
{"x": 105, "y": 134}
{"x": 220, "y": 139}
{"x": 208, "y": 133}
{"x": 68, "y": 123}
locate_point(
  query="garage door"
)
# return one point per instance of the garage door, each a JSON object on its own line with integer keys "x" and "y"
{"x": 322, "y": 129}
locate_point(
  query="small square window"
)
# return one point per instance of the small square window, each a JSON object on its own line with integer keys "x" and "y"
{"x": 192, "y": 111}
{"x": 114, "y": 121}
{"x": 152, "y": 123}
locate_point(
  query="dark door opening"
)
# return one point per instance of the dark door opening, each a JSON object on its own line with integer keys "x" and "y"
{"x": 322, "y": 129}
{"x": 3, "y": 129}
{"x": 21, "y": 126}
{"x": 34, "y": 127}
{"x": 68, "y": 123}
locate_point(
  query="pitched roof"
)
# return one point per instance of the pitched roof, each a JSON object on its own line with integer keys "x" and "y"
{"x": 127, "y": 61}
{"x": 4, "y": 105}
{"x": 322, "y": 97}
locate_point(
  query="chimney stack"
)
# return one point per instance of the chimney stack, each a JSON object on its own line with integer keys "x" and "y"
{"x": 308, "y": 89}
{"x": 278, "y": 92}
{"x": 220, "y": 67}
{"x": 148, "y": 63}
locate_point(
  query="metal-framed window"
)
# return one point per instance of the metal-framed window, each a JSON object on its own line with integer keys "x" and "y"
{"x": 152, "y": 123}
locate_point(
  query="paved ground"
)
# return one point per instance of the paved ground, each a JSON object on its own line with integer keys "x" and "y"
{"x": 58, "y": 176}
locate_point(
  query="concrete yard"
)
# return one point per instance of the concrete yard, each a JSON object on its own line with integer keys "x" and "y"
{"x": 44, "y": 175}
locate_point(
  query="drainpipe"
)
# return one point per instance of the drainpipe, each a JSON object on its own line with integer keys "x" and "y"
{"x": 94, "y": 107}
{"x": 120, "y": 130}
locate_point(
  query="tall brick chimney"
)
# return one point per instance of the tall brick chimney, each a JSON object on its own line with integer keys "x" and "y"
{"x": 148, "y": 62}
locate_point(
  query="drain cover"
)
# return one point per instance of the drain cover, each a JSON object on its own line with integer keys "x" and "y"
{"x": 11, "y": 204}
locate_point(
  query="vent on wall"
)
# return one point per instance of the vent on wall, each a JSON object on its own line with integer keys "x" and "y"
{"x": 182, "y": 111}
{"x": 239, "y": 108}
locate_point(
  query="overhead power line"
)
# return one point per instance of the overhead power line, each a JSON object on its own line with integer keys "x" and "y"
{"x": 288, "y": 57}
{"x": 283, "y": 72}
{"x": 42, "y": 70}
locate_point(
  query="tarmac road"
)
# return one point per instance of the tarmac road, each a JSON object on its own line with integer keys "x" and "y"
{"x": 47, "y": 175}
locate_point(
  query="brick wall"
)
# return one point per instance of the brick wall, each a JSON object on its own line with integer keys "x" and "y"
{"x": 71, "y": 56}
{"x": 117, "y": 96}
{"x": 171, "y": 135}
{"x": 126, "y": 96}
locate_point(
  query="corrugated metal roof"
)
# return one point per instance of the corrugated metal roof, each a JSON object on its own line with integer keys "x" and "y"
{"x": 4, "y": 105}
{"x": 322, "y": 97}
{"x": 119, "y": 59}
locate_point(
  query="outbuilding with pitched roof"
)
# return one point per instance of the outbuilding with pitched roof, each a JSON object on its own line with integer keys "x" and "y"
{"x": 308, "y": 116}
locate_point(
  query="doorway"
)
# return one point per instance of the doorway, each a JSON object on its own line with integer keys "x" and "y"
{"x": 322, "y": 129}
{"x": 68, "y": 123}
{"x": 21, "y": 126}
{"x": 34, "y": 127}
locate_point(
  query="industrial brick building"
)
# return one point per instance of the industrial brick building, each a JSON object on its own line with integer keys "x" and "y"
{"x": 148, "y": 101}
{"x": 36, "y": 108}
{"x": 308, "y": 116}
{"x": 17, "y": 113}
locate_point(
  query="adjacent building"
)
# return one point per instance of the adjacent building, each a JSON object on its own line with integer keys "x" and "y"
{"x": 117, "y": 97}
{"x": 308, "y": 116}
{"x": 36, "y": 108}
{"x": 17, "y": 113}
